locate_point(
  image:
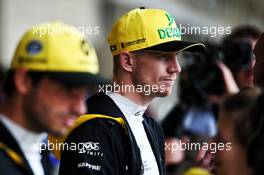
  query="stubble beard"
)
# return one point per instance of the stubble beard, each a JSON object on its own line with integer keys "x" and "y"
{"x": 33, "y": 115}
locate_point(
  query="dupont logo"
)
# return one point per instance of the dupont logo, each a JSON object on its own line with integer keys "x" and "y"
{"x": 91, "y": 146}
{"x": 170, "y": 19}
{"x": 171, "y": 30}
{"x": 91, "y": 149}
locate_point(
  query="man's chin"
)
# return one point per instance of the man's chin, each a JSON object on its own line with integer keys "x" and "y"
{"x": 163, "y": 93}
{"x": 58, "y": 132}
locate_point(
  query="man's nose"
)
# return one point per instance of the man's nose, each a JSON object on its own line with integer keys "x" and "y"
{"x": 78, "y": 106}
{"x": 174, "y": 66}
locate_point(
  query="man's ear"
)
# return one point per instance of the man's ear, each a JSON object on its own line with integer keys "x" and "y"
{"x": 22, "y": 81}
{"x": 126, "y": 61}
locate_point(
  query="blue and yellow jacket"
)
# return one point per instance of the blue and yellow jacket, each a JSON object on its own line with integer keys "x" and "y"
{"x": 106, "y": 143}
{"x": 12, "y": 159}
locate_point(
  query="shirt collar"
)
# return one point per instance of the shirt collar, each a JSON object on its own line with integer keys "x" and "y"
{"x": 27, "y": 140}
{"x": 131, "y": 110}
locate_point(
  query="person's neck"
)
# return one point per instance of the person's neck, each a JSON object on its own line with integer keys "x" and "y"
{"x": 136, "y": 97}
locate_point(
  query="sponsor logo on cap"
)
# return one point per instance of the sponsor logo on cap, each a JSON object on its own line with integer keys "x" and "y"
{"x": 85, "y": 47}
{"x": 130, "y": 43}
{"x": 122, "y": 45}
{"x": 169, "y": 31}
{"x": 138, "y": 41}
{"x": 113, "y": 48}
{"x": 170, "y": 19}
{"x": 34, "y": 47}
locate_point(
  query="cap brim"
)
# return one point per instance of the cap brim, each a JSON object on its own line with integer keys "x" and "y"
{"x": 177, "y": 46}
{"x": 78, "y": 79}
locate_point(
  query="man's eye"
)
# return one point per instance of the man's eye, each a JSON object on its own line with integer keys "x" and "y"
{"x": 163, "y": 58}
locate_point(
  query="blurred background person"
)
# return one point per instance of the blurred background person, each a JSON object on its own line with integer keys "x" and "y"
{"x": 255, "y": 149}
{"x": 236, "y": 127}
{"x": 45, "y": 90}
{"x": 193, "y": 119}
{"x": 238, "y": 53}
{"x": 258, "y": 69}
{"x": 239, "y": 59}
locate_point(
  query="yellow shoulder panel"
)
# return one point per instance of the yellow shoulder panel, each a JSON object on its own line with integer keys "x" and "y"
{"x": 80, "y": 120}
{"x": 12, "y": 154}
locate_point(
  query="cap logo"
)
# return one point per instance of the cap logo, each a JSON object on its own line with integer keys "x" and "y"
{"x": 85, "y": 47}
{"x": 34, "y": 47}
{"x": 130, "y": 43}
{"x": 113, "y": 48}
{"x": 122, "y": 45}
{"x": 170, "y": 31}
{"x": 170, "y": 19}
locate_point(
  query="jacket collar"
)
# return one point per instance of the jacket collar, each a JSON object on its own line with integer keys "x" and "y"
{"x": 9, "y": 140}
{"x": 109, "y": 108}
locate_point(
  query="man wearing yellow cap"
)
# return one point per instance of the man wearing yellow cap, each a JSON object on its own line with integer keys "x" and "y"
{"x": 117, "y": 137}
{"x": 45, "y": 89}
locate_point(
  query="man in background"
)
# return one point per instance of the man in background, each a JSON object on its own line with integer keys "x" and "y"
{"x": 45, "y": 90}
{"x": 238, "y": 53}
{"x": 259, "y": 66}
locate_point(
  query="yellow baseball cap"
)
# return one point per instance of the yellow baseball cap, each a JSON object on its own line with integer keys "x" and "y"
{"x": 149, "y": 29}
{"x": 59, "y": 50}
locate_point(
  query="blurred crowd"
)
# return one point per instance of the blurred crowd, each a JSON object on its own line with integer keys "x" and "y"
{"x": 207, "y": 111}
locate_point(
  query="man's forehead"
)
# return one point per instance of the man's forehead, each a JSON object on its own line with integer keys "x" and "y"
{"x": 155, "y": 53}
{"x": 259, "y": 47}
